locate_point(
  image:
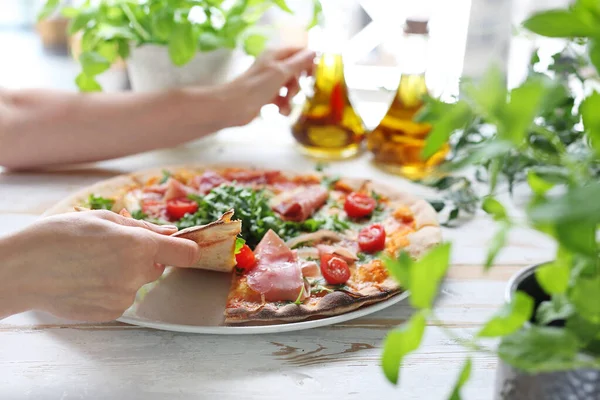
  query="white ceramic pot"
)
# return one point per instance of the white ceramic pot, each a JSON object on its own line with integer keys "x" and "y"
{"x": 151, "y": 69}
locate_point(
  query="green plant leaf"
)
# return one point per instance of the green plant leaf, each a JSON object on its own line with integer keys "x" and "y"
{"x": 587, "y": 332}
{"x": 316, "y": 15}
{"x": 540, "y": 349}
{"x": 594, "y": 53}
{"x": 493, "y": 207}
{"x": 463, "y": 377}
{"x": 162, "y": 24}
{"x": 401, "y": 342}
{"x": 519, "y": 113}
{"x": 559, "y": 24}
{"x": 572, "y": 207}
{"x": 591, "y": 118}
{"x": 123, "y": 49}
{"x": 69, "y": 12}
{"x": 498, "y": 242}
{"x": 81, "y": 20}
{"x": 537, "y": 184}
{"x": 489, "y": 95}
{"x": 490, "y": 150}
{"x": 399, "y": 268}
{"x": 182, "y": 44}
{"x": 579, "y": 237}
{"x": 457, "y": 117}
{"x": 87, "y": 83}
{"x": 426, "y": 275}
{"x": 283, "y": 6}
{"x": 48, "y": 9}
{"x": 510, "y": 318}
{"x": 554, "y": 277}
{"x": 585, "y": 296}
{"x": 556, "y": 309}
{"x": 208, "y": 41}
{"x": 254, "y": 44}
{"x": 93, "y": 63}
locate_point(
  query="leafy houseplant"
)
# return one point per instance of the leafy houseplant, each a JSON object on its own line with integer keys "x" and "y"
{"x": 114, "y": 28}
{"x": 558, "y": 330}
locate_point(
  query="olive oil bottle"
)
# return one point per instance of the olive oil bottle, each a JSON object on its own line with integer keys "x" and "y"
{"x": 397, "y": 142}
{"x": 328, "y": 126}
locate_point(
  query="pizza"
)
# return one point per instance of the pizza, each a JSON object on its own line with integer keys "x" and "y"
{"x": 297, "y": 245}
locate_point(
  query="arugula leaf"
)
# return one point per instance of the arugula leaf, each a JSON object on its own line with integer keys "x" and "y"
{"x": 556, "y": 309}
{"x": 239, "y": 243}
{"x": 463, "y": 377}
{"x": 165, "y": 176}
{"x": 401, "y": 342}
{"x": 539, "y": 349}
{"x": 510, "y": 318}
{"x": 100, "y": 203}
{"x": 139, "y": 214}
{"x": 253, "y": 209}
{"x": 329, "y": 181}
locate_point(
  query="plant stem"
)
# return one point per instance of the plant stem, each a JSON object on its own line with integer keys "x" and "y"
{"x": 136, "y": 25}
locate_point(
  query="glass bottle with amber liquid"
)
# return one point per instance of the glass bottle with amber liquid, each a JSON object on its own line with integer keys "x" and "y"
{"x": 328, "y": 126}
{"x": 397, "y": 142}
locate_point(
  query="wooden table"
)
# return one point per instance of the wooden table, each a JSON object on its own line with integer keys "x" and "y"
{"x": 42, "y": 357}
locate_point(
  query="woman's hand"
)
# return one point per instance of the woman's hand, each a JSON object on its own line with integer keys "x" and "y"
{"x": 261, "y": 84}
{"x": 86, "y": 265}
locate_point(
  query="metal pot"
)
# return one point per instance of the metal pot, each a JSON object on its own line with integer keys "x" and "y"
{"x": 513, "y": 384}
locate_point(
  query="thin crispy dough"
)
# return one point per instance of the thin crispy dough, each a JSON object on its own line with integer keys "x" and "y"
{"x": 216, "y": 241}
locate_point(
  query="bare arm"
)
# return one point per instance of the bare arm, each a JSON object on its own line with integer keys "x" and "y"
{"x": 43, "y": 128}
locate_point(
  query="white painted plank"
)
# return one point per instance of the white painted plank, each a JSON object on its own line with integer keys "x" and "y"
{"x": 315, "y": 364}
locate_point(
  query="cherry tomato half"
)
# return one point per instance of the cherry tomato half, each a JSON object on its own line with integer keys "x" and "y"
{"x": 359, "y": 205}
{"x": 334, "y": 269}
{"x": 245, "y": 258}
{"x": 177, "y": 208}
{"x": 372, "y": 238}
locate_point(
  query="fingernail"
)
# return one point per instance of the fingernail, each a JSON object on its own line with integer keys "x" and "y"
{"x": 169, "y": 227}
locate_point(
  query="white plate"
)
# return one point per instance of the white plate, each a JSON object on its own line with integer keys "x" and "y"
{"x": 193, "y": 301}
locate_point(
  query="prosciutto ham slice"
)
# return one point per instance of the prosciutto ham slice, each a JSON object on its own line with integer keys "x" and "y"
{"x": 277, "y": 275}
{"x": 207, "y": 181}
{"x": 176, "y": 190}
{"x": 302, "y": 204}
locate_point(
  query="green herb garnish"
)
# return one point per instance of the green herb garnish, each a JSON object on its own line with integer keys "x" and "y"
{"x": 252, "y": 208}
{"x": 100, "y": 203}
{"x": 165, "y": 176}
{"x": 239, "y": 243}
{"x": 139, "y": 214}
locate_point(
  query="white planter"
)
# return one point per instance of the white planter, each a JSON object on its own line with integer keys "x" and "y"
{"x": 151, "y": 69}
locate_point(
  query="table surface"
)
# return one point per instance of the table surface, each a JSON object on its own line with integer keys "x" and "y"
{"x": 42, "y": 357}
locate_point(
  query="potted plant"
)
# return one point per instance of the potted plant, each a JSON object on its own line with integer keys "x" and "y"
{"x": 549, "y": 328}
{"x": 165, "y": 43}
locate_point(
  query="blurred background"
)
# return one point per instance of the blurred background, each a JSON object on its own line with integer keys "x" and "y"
{"x": 466, "y": 36}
